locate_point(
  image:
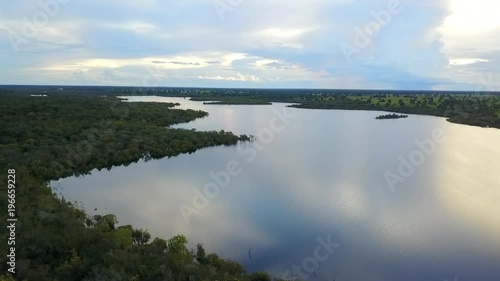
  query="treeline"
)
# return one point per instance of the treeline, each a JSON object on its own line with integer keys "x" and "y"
{"x": 67, "y": 135}
{"x": 46, "y": 138}
{"x": 471, "y": 108}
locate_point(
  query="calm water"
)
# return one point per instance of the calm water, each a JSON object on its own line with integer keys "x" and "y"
{"x": 321, "y": 175}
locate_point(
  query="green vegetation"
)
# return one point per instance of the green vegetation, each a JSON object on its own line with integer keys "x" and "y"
{"x": 391, "y": 116}
{"x": 94, "y": 132}
{"x": 461, "y": 108}
{"x": 77, "y": 129}
{"x": 470, "y": 108}
{"x": 48, "y": 138}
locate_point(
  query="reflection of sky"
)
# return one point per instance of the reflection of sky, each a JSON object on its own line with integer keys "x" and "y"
{"x": 470, "y": 183}
{"x": 324, "y": 175}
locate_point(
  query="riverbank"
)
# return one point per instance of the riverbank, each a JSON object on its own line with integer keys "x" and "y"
{"x": 49, "y": 138}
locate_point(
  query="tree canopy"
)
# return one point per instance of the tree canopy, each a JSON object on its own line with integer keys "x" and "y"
{"x": 52, "y": 137}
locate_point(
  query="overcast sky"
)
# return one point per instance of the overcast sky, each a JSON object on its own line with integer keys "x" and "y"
{"x": 356, "y": 44}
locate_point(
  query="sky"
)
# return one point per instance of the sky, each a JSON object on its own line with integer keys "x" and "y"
{"x": 335, "y": 44}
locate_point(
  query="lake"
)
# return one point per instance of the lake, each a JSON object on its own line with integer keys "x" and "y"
{"x": 320, "y": 194}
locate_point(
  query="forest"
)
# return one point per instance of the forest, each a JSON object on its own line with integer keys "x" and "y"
{"x": 52, "y": 132}
{"x": 476, "y": 108}
{"x": 470, "y": 108}
{"x": 47, "y": 138}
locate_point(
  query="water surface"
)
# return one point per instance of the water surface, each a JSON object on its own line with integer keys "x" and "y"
{"x": 321, "y": 175}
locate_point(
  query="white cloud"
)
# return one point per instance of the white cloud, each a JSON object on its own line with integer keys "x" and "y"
{"x": 466, "y": 61}
{"x": 430, "y": 44}
{"x": 479, "y": 16}
{"x": 237, "y": 77}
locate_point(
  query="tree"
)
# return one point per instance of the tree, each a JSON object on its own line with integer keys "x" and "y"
{"x": 260, "y": 276}
{"x": 201, "y": 256}
{"x": 123, "y": 237}
{"x": 140, "y": 236}
{"x": 107, "y": 222}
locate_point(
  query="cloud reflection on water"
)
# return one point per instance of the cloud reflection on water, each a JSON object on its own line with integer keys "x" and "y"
{"x": 302, "y": 186}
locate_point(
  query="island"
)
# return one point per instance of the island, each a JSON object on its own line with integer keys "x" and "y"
{"x": 391, "y": 116}
{"x": 81, "y": 129}
{"x": 473, "y": 108}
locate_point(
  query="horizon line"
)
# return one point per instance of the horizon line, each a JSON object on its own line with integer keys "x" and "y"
{"x": 242, "y": 88}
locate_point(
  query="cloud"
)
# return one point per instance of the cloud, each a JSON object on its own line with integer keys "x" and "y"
{"x": 466, "y": 61}
{"x": 184, "y": 63}
{"x": 238, "y": 77}
{"x": 429, "y": 45}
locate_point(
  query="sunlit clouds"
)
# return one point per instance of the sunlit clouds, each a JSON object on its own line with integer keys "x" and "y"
{"x": 273, "y": 44}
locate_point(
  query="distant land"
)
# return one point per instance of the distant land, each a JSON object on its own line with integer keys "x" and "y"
{"x": 470, "y": 108}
